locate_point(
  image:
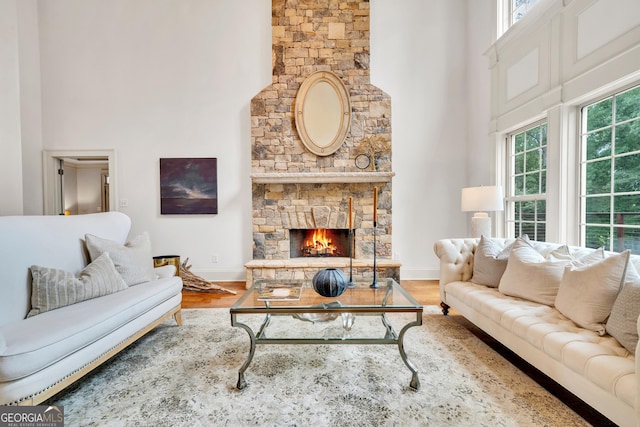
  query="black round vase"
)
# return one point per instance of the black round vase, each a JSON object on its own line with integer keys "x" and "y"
{"x": 330, "y": 282}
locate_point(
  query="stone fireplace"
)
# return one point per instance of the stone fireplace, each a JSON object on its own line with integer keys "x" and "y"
{"x": 294, "y": 189}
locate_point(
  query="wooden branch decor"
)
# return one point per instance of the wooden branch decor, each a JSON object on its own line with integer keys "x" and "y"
{"x": 192, "y": 282}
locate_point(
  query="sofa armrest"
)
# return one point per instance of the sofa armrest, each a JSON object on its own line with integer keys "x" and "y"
{"x": 456, "y": 261}
{"x": 165, "y": 271}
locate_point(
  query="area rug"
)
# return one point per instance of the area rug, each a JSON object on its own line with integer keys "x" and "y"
{"x": 186, "y": 376}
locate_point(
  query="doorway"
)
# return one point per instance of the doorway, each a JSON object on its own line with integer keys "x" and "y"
{"x": 79, "y": 181}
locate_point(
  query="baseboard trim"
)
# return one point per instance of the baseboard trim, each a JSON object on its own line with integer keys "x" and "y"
{"x": 418, "y": 274}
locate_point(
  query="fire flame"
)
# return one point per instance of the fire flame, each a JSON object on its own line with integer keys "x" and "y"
{"x": 318, "y": 240}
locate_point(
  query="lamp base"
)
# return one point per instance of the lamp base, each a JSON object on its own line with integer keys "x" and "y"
{"x": 480, "y": 225}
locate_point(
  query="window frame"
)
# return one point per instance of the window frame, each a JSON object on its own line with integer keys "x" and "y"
{"x": 511, "y": 199}
{"x": 582, "y": 162}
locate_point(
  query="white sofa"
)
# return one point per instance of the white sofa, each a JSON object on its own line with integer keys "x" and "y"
{"x": 42, "y": 354}
{"x": 595, "y": 368}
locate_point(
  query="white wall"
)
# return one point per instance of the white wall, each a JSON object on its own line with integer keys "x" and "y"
{"x": 89, "y": 189}
{"x": 11, "y": 198}
{"x": 159, "y": 79}
{"x": 165, "y": 78}
{"x": 479, "y": 38}
{"x": 71, "y": 190}
{"x": 420, "y": 56}
{"x": 30, "y": 108}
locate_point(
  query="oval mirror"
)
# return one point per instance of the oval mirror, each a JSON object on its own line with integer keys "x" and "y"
{"x": 323, "y": 113}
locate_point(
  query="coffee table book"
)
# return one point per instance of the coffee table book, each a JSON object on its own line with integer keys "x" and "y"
{"x": 279, "y": 291}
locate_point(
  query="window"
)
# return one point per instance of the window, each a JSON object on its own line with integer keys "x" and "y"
{"x": 519, "y": 8}
{"x": 526, "y": 186}
{"x": 610, "y": 173}
{"x": 511, "y": 11}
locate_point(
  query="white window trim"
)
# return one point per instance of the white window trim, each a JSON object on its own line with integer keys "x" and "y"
{"x": 506, "y": 221}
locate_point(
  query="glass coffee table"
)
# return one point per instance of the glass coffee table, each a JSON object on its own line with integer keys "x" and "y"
{"x": 298, "y": 305}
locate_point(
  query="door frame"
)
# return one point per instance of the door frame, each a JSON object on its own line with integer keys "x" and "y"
{"x": 51, "y": 183}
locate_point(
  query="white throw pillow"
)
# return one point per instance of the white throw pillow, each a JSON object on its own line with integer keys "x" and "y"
{"x": 589, "y": 258}
{"x": 587, "y": 292}
{"x": 133, "y": 260}
{"x": 531, "y": 276}
{"x": 489, "y": 262}
{"x": 622, "y": 323}
{"x": 53, "y": 288}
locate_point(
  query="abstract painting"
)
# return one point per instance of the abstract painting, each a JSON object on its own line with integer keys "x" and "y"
{"x": 189, "y": 186}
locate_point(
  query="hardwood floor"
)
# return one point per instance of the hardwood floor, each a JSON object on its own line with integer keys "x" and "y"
{"x": 426, "y": 292}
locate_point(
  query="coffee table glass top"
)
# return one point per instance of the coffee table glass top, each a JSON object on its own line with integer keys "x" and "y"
{"x": 270, "y": 295}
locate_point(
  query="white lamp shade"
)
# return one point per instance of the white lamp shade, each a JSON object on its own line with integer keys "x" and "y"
{"x": 482, "y": 199}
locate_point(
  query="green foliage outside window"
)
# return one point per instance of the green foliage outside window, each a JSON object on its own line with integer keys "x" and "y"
{"x": 611, "y": 172}
{"x": 526, "y": 203}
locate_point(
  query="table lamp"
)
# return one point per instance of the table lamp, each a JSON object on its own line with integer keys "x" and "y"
{"x": 481, "y": 200}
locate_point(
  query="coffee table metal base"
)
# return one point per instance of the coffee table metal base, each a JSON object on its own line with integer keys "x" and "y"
{"x": 391, "y": 337}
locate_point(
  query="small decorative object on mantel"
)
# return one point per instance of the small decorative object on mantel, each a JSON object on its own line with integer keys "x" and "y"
{"x": 191, "y": 282}
{"x": 363, "y": 161}
{"x": 330, "y": 282}
{"x": 372, "y": 147}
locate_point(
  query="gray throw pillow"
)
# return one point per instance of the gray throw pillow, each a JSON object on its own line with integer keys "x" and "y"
{"x": 622, "y": 323}
{"x": 133, "y": 260}
{"x": 53, "y": 288}
{"x": 489, "y": 262}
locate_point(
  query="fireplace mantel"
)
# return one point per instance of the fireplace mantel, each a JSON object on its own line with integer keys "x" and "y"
{"x": 320, "y": 177}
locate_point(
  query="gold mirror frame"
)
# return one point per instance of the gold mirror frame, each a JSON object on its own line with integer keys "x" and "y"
{"x": 323, "y": 113}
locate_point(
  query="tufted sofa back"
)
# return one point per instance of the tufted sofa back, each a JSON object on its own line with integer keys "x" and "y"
{"x": 48, "y": 241}
{"x": 456, "y": 257}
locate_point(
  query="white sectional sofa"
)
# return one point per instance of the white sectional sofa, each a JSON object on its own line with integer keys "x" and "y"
{"x": 594, "y": 367}
{"x": 44, "y": 353}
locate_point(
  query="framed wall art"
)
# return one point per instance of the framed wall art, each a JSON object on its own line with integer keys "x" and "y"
{"x": 188, "y": 186}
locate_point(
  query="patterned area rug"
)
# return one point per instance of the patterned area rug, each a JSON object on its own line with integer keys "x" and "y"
{"x": 186, "y": 376}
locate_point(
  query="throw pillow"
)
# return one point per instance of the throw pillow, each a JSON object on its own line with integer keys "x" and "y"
{"x": 622, "y": 323}
{"x": 133, "y": 260}
{"x": 531, "y": 276}
{"x": 589, "y": 258}
{"x": 53, "y": 288}
{"x": 489, "y": 262}
{"x": 587, "y": 293}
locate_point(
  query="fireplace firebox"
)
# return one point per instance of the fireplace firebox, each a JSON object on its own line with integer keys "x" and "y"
{"x": 319, "y": 242}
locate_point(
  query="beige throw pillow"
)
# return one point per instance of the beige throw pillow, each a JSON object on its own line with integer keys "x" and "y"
{"x": 622, "y": 323}
{"x": 53, "y": 288}
{"x": 133, "y": 260}
{"x": 531, "y": 276}
{"x": 587, "y": 292}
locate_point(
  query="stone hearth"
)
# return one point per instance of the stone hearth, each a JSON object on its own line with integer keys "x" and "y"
{"x": 294, "y": 188}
